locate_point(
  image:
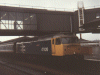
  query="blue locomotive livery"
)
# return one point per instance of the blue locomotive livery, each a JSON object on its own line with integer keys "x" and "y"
{"x": 37, "y": 47}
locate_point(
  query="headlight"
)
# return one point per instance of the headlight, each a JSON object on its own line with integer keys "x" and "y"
{"x": 74, "y": 53}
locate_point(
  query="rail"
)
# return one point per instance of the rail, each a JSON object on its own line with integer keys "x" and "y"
{"x": 22, "y": 69}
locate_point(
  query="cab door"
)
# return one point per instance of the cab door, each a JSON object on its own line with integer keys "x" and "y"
{"x": 58, "y": 47}
{"x": 53, "y": 46}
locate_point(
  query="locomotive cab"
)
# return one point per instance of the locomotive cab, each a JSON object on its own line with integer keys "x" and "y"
{"x": 62, "y": 46}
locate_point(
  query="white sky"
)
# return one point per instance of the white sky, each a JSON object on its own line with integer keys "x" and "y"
{"x": 68, "y": 4}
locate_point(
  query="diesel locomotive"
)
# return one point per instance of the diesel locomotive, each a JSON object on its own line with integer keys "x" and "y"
{"x": 52, "y": 46}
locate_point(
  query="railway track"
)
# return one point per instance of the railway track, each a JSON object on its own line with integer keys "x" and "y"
{"x": 45, "y": 68}
{"x": 21, "y": 69}
{"x": 28, "y": 68}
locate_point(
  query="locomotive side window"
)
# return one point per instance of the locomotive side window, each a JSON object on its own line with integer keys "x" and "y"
{"x": 53, "y": 41}
{"x": 67, "y": 40}
{"x": 58, "y": 41}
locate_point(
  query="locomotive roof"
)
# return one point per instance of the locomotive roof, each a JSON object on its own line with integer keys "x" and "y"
{"x": 42, "y": 38}
{"x": 48, "y": 37}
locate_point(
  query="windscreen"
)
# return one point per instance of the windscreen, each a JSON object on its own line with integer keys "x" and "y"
{"x": 67, "y": 40}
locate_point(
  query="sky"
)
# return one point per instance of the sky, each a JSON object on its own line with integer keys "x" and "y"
{"x": 67, "y": 4}
{"x": 53, "y": 3}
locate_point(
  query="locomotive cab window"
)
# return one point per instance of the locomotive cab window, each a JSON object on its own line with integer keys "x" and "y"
{"x": 67, "y": 40}
{"x": 58, "y": 41}
{"x": 53, "y": 41}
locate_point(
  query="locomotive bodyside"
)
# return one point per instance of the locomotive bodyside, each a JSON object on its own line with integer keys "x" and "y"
{"x": 36, "y": 48}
